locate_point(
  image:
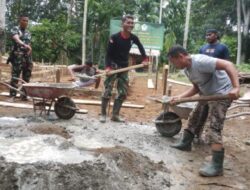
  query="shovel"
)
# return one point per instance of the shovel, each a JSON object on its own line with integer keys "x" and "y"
{"x": 169, "y": 123}
{"x": 112, "y": 72}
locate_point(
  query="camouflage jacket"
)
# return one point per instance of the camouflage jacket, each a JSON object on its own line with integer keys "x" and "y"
{"x": 25, "y": 37}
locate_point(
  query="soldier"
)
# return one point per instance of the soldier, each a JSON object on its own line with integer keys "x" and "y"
{"x": 210, "y": 76}
{"x": 20, "y": 56}
{"x": 117, "y": 57}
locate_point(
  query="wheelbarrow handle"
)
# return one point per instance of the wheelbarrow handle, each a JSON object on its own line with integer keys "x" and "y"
{"x": 202, "y": 98}
{"x": 13, "y": 88}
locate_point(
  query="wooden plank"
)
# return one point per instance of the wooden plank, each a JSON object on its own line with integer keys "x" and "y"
{"x": 97, "y": 102}
{"x": 150, "y": 83}
{"x": 180, "y": 83}
{"x": 29, "y": 106}
{"x": 91, "y": 102}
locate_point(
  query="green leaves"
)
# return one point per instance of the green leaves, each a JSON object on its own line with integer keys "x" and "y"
{"x": 50, "y": 38}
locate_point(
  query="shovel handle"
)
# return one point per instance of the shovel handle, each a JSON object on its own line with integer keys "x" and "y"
{"x": 202, "y": 98}
{"x": 112, "y": 72}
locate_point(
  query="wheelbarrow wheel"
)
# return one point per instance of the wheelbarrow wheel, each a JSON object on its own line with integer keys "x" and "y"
{"x": 168, "y": 124}
{"x": 65, "y": 108}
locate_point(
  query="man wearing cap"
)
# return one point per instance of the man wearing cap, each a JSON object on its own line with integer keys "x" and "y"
{"x": 214, "y": 48}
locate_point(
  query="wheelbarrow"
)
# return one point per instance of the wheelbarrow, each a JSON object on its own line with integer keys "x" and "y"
{"x": 169, "y": 123}
{"x": 45, "y": 95}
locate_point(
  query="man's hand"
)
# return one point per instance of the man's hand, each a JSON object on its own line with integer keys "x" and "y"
{"x": 234, "y": 93}
{"x": 107, "y": 70}
{"x": 173, "y": 99}
{"x": 145, "y": 62}
{"x": 72, "y": 79}
{"x": 28, "y": 48}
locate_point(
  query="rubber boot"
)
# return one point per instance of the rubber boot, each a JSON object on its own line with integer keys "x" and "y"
{"x": 103, "y": 109}
{"x": 185, "y": 143}
{"x": 116, "y": 109}
{"x": 215, "y": 167}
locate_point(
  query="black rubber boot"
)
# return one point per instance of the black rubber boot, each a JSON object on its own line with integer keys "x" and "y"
{"x": 104, "y": 105}
{"x": 215, "y": 167}
{"x": 185, "y": 143}
{"x": 116, "y": 109}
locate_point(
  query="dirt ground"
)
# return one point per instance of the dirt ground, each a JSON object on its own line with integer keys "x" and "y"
{"x": 138, "y": 156}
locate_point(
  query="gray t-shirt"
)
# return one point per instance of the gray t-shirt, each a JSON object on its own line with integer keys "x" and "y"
{"x": 204, "y": 74}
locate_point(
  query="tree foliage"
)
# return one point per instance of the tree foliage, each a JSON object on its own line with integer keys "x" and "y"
{"x": 53, "y": 34}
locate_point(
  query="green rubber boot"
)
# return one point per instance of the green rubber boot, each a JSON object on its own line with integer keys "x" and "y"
{"x": 185, "y": 143}
{"x": 215, "y": 167}
{"x": 104, "y": 105}
{"x": 116, "y": 109}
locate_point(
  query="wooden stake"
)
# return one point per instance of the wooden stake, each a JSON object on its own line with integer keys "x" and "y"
{"x": 58, "y": 75}
{"x": 165, "y": 78}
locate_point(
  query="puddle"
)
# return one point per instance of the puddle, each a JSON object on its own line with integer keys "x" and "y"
{"x": 37, "y": 149}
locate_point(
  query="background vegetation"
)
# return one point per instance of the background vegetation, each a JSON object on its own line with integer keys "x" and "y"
{"x": 56, "y": 25}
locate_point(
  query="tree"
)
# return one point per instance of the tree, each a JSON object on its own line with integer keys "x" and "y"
{"x": 187, "y": 23}
{"x": 2, "y": 27}
{"x": 239, "y": 32}
{"x": 245, "y": 7}
{"x": 51, "y": 37}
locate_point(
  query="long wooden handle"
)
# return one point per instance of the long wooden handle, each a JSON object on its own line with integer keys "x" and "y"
{"x": 112, "y": 72}
{"x": 202, "y": 98}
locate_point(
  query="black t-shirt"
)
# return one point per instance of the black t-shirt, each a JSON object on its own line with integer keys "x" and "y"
{"x": 119, "y": 47}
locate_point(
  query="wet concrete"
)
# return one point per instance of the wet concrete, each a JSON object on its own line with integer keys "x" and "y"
{"x": 85, "y": 154}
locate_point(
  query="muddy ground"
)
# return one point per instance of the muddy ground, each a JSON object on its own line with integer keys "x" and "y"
{"x": 80, "y": 153}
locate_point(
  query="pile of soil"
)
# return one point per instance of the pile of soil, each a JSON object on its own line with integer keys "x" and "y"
{"x": 117, "y": 168}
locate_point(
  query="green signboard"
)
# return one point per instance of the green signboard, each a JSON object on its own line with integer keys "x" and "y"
{"x": 151, "y": 35}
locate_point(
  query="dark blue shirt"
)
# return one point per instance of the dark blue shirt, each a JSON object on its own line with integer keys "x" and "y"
{"x": 217, "y": 50}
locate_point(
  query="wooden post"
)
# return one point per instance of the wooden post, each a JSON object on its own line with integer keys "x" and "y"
{"x": 165, "y": 79}
{"x": 58, "y": 75}
{"x": 170, "y": 90}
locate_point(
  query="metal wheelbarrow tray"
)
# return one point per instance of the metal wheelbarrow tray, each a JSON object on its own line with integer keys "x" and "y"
{"x": 169, "y": 123}
{"x": 44, "y": 95}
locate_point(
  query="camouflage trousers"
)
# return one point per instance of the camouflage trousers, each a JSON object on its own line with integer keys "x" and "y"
{"x": 122, "y": 85}
{"x": 212, "y": 112}
{"x": 20, "y": 64}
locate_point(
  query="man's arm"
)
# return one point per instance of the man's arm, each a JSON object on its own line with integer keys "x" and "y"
{"x": 21, "y": 43}
{"x": 73, "y": 69}
{"x": 108, "y": 58}
{"x": 233, "y": 75}
{"x": 141, "y": 48}
{"x": 226, "y": 53}
{"x": 190, "y": 92}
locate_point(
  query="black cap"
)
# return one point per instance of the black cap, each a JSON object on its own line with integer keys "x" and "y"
{"x": 212, "y": 31}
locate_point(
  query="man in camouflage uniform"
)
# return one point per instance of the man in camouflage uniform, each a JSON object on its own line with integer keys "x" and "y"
{"x": 117, "y": 57}
{"x": 20, "y": 56}
{"x": 210, "y": 76}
